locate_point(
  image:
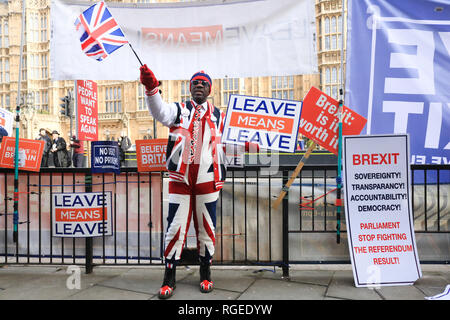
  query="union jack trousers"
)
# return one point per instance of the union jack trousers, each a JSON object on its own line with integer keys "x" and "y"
{"x": 188, "y": 203}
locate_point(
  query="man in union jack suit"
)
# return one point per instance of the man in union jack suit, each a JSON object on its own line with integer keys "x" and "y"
{"x": 196, "y": 166}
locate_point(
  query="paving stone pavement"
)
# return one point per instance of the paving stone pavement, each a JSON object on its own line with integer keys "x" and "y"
{"x": 306, "y": 282}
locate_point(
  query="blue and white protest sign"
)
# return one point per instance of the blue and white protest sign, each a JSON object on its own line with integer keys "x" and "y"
{"x": 105, "y": 157}
{"x": 82, "y": 214}
{"x": 398, "y": 66}
{"x": 269, "y": 123}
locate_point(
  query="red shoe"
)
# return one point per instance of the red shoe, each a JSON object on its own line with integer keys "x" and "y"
{"x": 165, "y": 292}
{"x": 168, "y": 286}
{"x": 206, "y": 285}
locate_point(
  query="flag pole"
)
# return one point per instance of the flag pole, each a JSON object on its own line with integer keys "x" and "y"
{"x": 17, "y": 124}
{"x": 341, "y": 104}
{"x": 135, "y": 53}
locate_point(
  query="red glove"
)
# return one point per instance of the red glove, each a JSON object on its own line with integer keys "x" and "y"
{"x": 148, "y": 79}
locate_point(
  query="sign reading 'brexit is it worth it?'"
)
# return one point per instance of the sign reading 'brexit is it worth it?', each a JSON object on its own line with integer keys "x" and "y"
{"x": 320, "y": 123}
{"x": 269, "y": 123}
{"x": 378, "y": 210}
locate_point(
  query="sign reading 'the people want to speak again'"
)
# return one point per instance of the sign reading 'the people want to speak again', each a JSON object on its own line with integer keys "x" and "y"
{"x": 87, "y": 110}
{"x": 269, "y": 123}
{"x": 378, "y": 210}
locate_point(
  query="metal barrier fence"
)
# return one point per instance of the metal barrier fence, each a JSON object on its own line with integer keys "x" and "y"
{"x": 248, "y": 230}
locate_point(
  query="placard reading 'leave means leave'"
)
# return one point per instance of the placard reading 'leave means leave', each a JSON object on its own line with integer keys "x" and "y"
{"x": 269, "y": 123}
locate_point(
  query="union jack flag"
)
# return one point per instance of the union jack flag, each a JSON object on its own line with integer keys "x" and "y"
{"x": 100, "y": 35}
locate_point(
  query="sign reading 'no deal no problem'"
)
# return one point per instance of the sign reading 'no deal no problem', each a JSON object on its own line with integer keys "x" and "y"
{"x": 378, "y": 210}
{"x": 82, "y": 214}
{"x": 105, "y": 157}
{"x": 269, "y": 123}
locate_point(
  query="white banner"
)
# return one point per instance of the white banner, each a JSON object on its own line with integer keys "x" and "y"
{"x": 378, "y": 210}
{"x": 243, "y": 38}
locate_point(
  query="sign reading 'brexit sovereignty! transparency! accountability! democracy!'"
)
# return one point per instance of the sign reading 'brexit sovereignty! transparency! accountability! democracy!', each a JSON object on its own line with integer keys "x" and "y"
{"x": 378, "y": 210}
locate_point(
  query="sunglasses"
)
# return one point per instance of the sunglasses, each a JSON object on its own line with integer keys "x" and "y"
{"x": 203, "y": 82}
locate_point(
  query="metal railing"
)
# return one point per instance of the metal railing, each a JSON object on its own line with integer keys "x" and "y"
{"x": 248, "y": 230}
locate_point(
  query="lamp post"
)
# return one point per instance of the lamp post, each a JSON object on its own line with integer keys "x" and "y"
{"x": 17, "y": 123}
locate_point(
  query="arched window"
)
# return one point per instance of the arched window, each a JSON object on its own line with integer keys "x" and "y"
{"x": 327, "y": 25}
{"x": 333, "y": 24}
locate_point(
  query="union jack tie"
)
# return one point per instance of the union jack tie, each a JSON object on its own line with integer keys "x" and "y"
{"x": 195, "y": 131}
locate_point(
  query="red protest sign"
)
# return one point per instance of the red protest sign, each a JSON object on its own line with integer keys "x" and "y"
{"x": 30, "y": 153}
{"x": 319, "y": 120}
{"x": 151, "y": 155}
{"x": 87, "y": 110}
